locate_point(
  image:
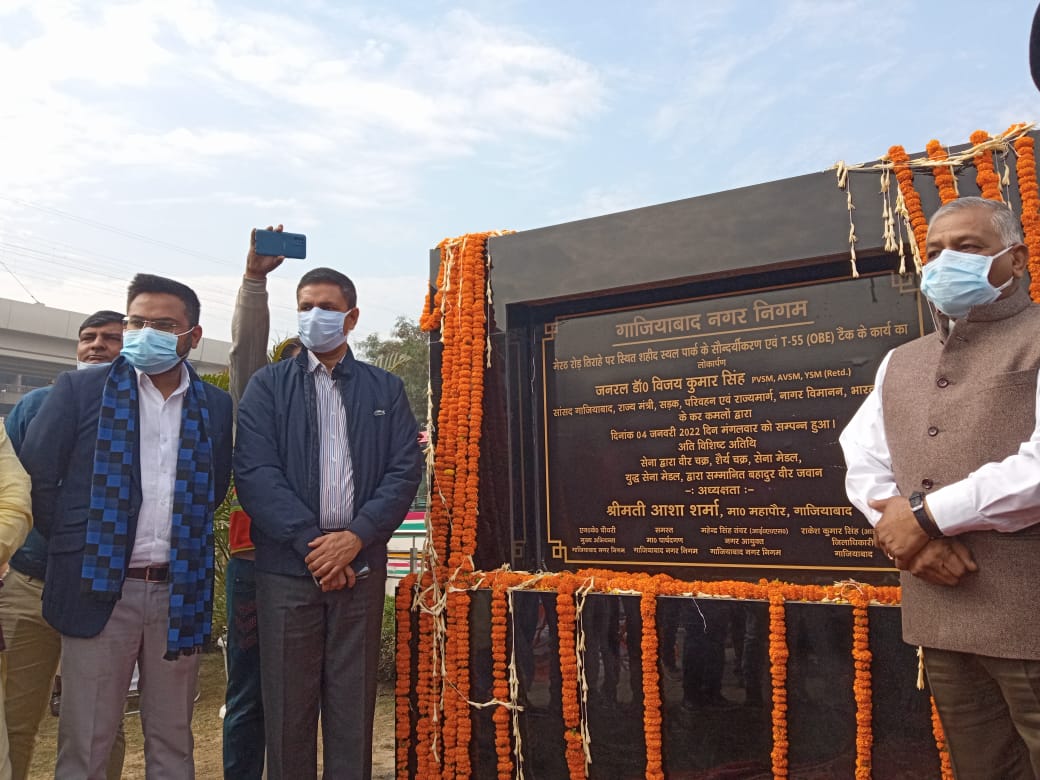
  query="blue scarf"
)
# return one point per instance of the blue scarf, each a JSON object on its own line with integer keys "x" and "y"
{"x": 108, "y": 542}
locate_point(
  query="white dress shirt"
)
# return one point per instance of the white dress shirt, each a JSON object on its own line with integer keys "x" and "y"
{"x": 159, "y": 420}
{"x": 1000, "y": 496}
{"x": 336, "y": 508}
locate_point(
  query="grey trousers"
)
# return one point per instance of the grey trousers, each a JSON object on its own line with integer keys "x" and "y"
{"x": 318, "y": 654}
{"x": 95, "y": 678}
{"x": 990, "y": 713}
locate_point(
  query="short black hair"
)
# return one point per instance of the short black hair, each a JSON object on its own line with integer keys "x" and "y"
{"x": 99, "y": 318}
{"x": 148, "y": 283}
{"x": 330, "y": 276}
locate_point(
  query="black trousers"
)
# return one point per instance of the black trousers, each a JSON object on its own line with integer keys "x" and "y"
{"x": 318, "y": 655}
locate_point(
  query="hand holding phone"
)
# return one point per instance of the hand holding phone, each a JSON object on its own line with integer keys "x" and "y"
{"x": 259, "y": 266}
{"x": 277, "y": 243}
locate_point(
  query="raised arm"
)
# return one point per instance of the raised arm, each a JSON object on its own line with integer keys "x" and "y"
{"x": 251, "y": 321}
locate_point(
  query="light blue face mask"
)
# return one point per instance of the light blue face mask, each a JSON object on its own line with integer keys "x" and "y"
{"x": 80, "y": 365}
{"x": 321, "y": 330}
{"x": 956, "y": 281}
{"x": 151, "y": 351}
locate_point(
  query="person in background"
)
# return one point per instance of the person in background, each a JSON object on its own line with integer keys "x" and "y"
{"x": 30, "y": 660}
{"x": 15, "y": 522}
{"x": 128, "y": 463}
{"x": 326, "y": 465}
{"x": 99, "y": 340}
{"x": 244, "y": 707}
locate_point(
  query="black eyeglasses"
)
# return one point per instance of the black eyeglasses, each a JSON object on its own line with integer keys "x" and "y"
{"x": 166, "y": 326}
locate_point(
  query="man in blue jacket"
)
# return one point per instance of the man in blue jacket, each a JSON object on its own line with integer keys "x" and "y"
{"x": 128, "y": 463}
{"x": 326, "y": 465}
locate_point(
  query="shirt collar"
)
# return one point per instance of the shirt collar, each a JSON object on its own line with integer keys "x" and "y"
{"x": 182, "y": 387}
{"x": 313, "y": 363}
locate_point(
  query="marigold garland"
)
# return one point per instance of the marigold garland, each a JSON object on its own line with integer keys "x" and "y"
{"x": 403, "y": 725}
{"x": 1025, "y": 168}
{"x": 457, "y": 725}
{"x": 945, "y": 768}
{"x": 474, "y": 330}
{"x": 945, "y": 181}
{"x": 453, "y": 716}
{"x": 445, "y": 451}
{"x": 778, "y": 670}
{"x": 500, "y": 675}
{"x": 425, "y": 687}
{"x": 651, "y": 685}
{"x": 916, "y": 222}
{"x": 462, "y": 665}
{"x": 985, "y": 171}
{"x": 942, "y": 165}
{"x": 430, "y": 318}
{"x": 457, "y": 309}
{"x": 861, "y": 685}
{"x": 566, "y": 622}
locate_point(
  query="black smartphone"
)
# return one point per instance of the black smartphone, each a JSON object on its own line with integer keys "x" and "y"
{"x": 360, "y": 573}
{"x": 274, "y": 243}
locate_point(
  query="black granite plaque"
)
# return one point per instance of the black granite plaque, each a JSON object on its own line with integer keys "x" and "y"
{"x": 705, "y": 433}
{"x": 904, "y": 745}
{"x": 821, "y": 707}
{"x": 716, "y": 690}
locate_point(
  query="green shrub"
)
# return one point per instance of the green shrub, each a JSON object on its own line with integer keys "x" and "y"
{"x": 220, "y": 559}
{"x": 388, "y": 642}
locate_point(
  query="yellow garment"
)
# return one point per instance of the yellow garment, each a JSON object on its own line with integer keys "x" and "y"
{"x": 15, "y": 500}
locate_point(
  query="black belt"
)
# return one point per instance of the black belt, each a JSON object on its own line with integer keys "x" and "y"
{"x": 149, "y": 573}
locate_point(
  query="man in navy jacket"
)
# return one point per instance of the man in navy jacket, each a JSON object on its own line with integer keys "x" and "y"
{"x": 128, "y": 463}
{"x": 326, "y": 465}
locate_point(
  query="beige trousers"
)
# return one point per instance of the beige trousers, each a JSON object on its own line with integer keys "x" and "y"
{"x": 95, "y": 677}
{"x": 27, "y": 669}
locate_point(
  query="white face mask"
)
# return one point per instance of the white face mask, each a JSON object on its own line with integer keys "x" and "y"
{"x": 80, "y": 365}
{"x": 321, "y": 330}
{"x": 956, "y": 281}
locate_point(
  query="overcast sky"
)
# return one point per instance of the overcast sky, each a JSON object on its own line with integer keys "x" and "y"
{"x": 151, "y": 135}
